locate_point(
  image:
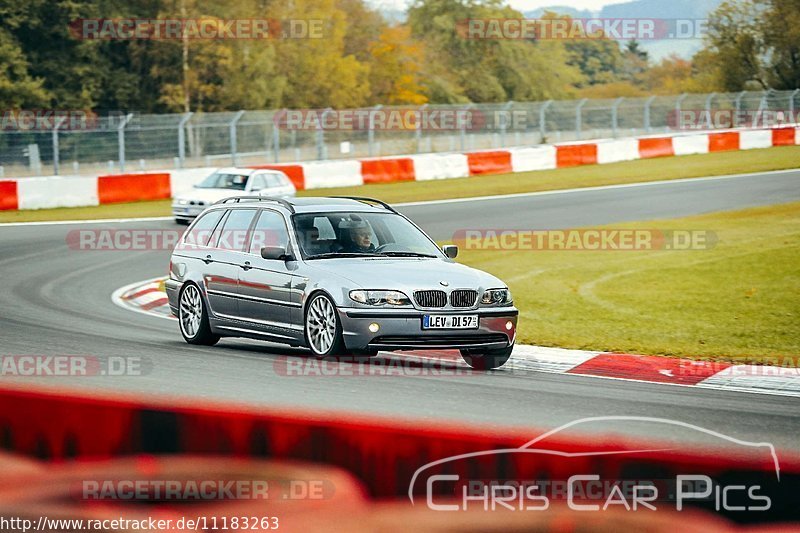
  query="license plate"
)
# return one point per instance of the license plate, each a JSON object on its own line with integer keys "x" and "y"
{"x": 450, "y": 322}
{"x": 180, "y": 210}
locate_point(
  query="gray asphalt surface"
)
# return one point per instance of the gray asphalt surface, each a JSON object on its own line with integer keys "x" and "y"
{"x": 57, "y": 301}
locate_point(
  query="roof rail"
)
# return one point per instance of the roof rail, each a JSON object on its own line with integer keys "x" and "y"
{"x": 238, "y": 199}
{"x": 366, "y": 200}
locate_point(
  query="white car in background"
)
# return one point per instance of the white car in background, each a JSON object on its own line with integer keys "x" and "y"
{"x": 227, "y": 182}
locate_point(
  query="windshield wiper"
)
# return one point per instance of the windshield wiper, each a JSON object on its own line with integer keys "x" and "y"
{"x": 341, "y": 254}
{"x": 406, "y": 254}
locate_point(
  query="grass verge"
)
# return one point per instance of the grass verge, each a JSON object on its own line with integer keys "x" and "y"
{"x": 737, "y": 301}
{"x": 717, "y": 164}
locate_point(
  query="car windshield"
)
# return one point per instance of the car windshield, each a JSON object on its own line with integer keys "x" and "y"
{"x": 345, "y": 234}
{"x": 221, "y": 180}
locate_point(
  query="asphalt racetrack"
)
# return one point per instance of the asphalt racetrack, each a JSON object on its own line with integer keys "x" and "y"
{"x": 57, "y": 300}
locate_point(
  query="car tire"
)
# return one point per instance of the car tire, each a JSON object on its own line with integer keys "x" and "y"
{"x": 193, "y": 317}
{"x": 487, "y": 359}
{"x": 322, "y": 327}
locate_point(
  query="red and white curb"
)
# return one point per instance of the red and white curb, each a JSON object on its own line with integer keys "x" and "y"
{"x": 148, "y": 297}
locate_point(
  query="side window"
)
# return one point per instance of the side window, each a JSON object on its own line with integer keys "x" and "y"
{"x": 273, "y": 180}
{"x": 257, "y": 182}
{"x": 270, "y": 230}
{"x": 202, "y": 229}
{"x": 234, "y": 230}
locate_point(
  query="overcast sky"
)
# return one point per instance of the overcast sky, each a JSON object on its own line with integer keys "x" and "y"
{"x": 523, "y": 5}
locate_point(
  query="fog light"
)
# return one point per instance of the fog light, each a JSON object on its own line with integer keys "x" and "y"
{"x": 509, "y": 325}
{"x": 374, "y": 327}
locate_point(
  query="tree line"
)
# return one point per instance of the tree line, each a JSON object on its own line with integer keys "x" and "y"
{"x": 363, "y": 59}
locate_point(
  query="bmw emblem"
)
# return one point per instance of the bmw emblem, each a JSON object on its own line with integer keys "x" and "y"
{"x": 443, "y": 283}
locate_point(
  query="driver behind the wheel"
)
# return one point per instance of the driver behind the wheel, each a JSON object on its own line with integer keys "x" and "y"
{"x": 356, "y": 237}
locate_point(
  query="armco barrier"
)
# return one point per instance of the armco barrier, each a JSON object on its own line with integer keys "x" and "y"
{"x": 723, "y": 142}
{"x": 54, "y": 191}
{"x": 8, "y": 196}
{"x": 387, "y": 170}
{"x": 785, "y": 136}
{"x": 656, "y": 147}
{"x": 573, "y": 155}
{"x": 43, "y": 193}
{"x": 133, "y": 187}
{"x": 496, "y": 162}
{"x": 383, "y": 454}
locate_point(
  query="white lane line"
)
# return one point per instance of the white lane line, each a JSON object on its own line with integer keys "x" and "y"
{"x": 448, "y": 200}
{"x": 597, "y": 188}
{"x": 97, "y": 221}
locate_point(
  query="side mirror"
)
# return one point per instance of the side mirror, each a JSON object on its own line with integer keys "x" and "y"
{"x": 276, "y": 253}
{"x": 451, "y": 251}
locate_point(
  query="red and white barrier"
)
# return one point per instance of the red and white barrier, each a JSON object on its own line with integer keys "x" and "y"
{"x": 54, "y": 191}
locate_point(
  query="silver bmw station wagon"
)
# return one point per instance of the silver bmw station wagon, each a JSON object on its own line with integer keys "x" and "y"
{"x": 340, "y": 276}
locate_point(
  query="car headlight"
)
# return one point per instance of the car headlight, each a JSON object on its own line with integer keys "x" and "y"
{"x": 181, "y": 201}
{"x": 379, "y": 297}
{"x": 496, "y": 297}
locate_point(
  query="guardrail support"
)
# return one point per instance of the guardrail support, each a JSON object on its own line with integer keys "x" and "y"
{"x": 709, "y": 99}
{"x": 121, "y": 139}
{"x": 322, "y": 149}
{"x": 579, "y": 119}
{"x": 504, "y": 122}
{"x": 418, "y": 132}
{"x": 678, "y": 103}
{"x": 182, "y": 138}
{"x": 738, "y": 107}
{"x": 463, "y": 132}
{"x": 371, "y": 130}
{"x": 542, "y": 121}
{"x": 791, "y": 106}
{"x": 647, "y": 127}
{"x": 57, "y": 125}
{"x": 232, "y": 128}
{"x": 615, "y": 115}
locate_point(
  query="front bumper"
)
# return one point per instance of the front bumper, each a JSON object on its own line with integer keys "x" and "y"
{"x": 401, "y": 329}
{"x": 187, "y": 212}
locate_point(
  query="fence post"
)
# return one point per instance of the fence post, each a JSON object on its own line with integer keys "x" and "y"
{"x": 322, "y": 150}
{"x": 57, "y": 125}
{"x": 709, "y": 122}
{"x": 542, "y": 121}
{"x": 678, "y": 103}
{"x": 418, "y": 132}
{"x": 182, "y": 138}
{"x": 463, "y": 132}
{"x": 232, "y": 127}
{"x": 276, "y": 138}
{"x": 579, "y": 119}
{"x": 371, "y": 130}
{"x": 791, "y": 106}
{"x": 647, "y": 127}
{"x": 615, "y": 115}
{"x": 761, "y": 106}
{"x": 738, "y": 104}
{"x": 121, "y": 139}
{"x": 504, "y": 124}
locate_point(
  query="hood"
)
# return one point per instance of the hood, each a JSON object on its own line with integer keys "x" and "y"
{"x": 406, "y": 274}
{"x": 208, "y": 195}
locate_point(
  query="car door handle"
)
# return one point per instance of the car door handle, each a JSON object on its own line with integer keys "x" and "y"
{"x": 246, "y": 265}
{"x": 208, "y": 259}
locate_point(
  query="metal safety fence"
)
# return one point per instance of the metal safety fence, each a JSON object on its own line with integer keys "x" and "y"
{"x": 45, "y": 142}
